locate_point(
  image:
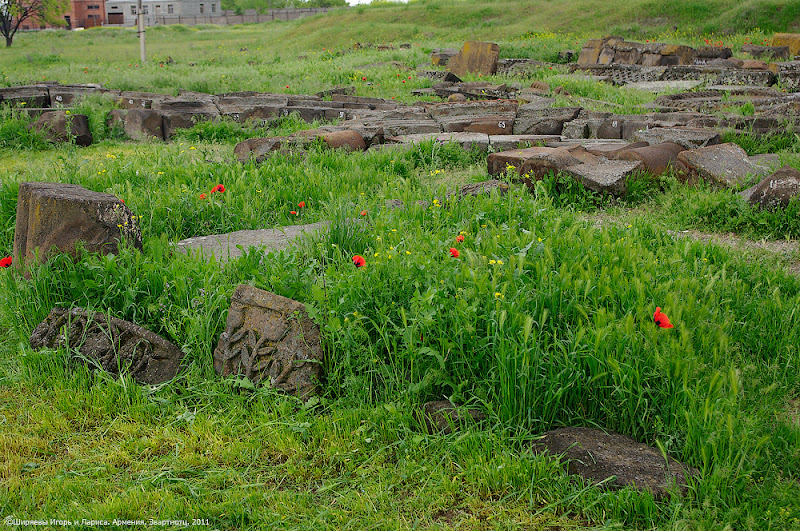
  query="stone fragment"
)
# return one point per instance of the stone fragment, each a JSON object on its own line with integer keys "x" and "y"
{"x": 60, "y": 126}
{"x": 790, "y": 40}
{"x": 442, "y": 56}
{"x": 259, "y": 149}
{"x": 270, "y": 340}
{"x": 231, "y": 245}
{"x": 776, "y": 190}
{"x": 483, "y": 188}
{"x": 615, "y": 461}
{"x": 443, "y": 416}
{"x": 606, "y": 177}
{"x": 655, "y": 159}
{"x": 754, "y": 64}
{"x": 508, "y": 142}
{"x": 538, "y": 119}
{"x": 466, "y": 140}
{"x": 344, "y": 139}
{"x": 726, "y": 165}
{"x": 475, "y": 57}
{"x": 137, "y": 124}
{"x": 611, "y": 151}
{"x": 28, "y": 96}
{"x": 533, "y": 162}
{"x": 687, "y": 137}
{"x": 68, "y": 95}
{"x": 773, "y": 52}
{"x": 116, "y": 346}
{"x": 55, "y": 215}
{"x": 455, "y": 98}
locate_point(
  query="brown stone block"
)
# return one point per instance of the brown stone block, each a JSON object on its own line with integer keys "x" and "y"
{"x": 60, "y": 126}
{"x": 270, "y": 340}
{"x": 792, "y": 40}
{"x": 656, "y": 159}
{"x": 476, "y": 57}
{"x": 58, "y": 216}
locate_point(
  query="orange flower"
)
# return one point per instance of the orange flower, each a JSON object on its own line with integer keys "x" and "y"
{"x": 359, "y": 261}
{"x": 6, "y": 262}
{"x": 301, "y": 204}
{"x": 293, "y": 212}
{"x": 460, "y": 238}
{"x": 202, "y": 196}
{"x": 363, "y": 212}
{"x": 661, "y": 319}
{"x": 454, "y": 252}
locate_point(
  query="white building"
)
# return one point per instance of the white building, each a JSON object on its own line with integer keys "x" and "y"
{"x": 123, "y": 12}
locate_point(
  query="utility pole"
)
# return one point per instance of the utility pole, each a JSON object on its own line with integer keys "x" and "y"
{"x": 140, "y": 30}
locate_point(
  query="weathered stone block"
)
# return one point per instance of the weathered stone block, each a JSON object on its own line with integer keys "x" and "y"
{"x": 271, "y": 340}
{"x": 118, "y": 346}
{"x": 655, "y": 159}
{"x": 606, "y": 177}
{"x": 476, "y": 57}
{"x": 615, "y": 461}
{"x": 55, "y": 215}
{"x": 138, "y": 124}
{"x": 29, "y": 96}
{"x": 443, "y": 416}
{"x": 790, "y": 40}
{"x": 776, "y": 190}
{"x": 60, "y": 126}
{"x": 259, "y": 149}
{"x": 726, "y": 165}
{"x": 689, "y": 138}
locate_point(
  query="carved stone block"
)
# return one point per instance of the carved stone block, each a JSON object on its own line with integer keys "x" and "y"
{"x": 270, "y": 339}
{"x": 116, "y": 345}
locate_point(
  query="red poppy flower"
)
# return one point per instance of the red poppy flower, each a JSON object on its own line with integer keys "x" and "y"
{"x": 661, "y": 319}
{"x": 202, "y": 196}
{"x": 460, "y": 238}
{"x": 363, "y": 79}
{"x": 122, "y": 201}
{"x": 293, "y": 212}
{"x": 454, "y": 252}
{"x": 359, "y": 261}
{"x": 6, "y": 262}
{"x": 218, "y": 188}
{"x": 301, "y": 204}
{"x": 363, "y": 212}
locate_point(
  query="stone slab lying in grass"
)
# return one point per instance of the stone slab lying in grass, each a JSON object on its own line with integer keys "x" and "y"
{"x": 443, "y": 416}
{"x": 465, "y": 140}
{"x": 664, "y": 86}
{"x": 615, "y": 461}
{"x": 725, "y": 165}
{"x": 55, "y": 216}
{"x": 138, "y": 124}
{"x": 776, "y": 190}
{"x": 115, "y": 345}
{"x": 259, "y": 149}
{"x": 655, "y": 159}
{"x": 232, "y": 245}
{"x": 270, "y": 340}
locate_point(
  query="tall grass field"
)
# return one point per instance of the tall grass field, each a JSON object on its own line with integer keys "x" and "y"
{"x": 543, "y": 320}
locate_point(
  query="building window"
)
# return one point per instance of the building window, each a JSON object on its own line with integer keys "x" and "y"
{"x": 202, "y": 8}
{"x": 144, "y": 9}
{"x": 133, "y": 10}
{"x": 169, "y": 9}
{"x": 213, "y": 8}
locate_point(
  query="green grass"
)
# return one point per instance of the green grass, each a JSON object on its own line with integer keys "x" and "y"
{"x": 544, "y": 320}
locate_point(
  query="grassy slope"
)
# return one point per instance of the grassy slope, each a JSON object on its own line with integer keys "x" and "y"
{"x": 573, "y": 326}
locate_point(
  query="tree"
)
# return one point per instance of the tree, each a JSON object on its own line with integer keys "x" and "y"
{"x": 14, "y": 12}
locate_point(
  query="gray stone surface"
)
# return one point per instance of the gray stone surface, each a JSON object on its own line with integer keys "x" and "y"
{"x": 232, "y": 245}
{"x": 115, "y": 345}
{"x": 664, "y": 86}
{"x": 776, "y": 190}
{"x": 466, "y": 140}
{"x": 725, "y": 165}
{"x": 605, "y": 176}
{"x": 615, "y": 461}
{"x": 137, "y": 124}
{"x": 270, "y": 340}
{"x": 689, "y": 138}
{"x": 536, "y": 119}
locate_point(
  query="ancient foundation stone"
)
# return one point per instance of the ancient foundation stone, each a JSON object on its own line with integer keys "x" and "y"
{"x": 726, "y": 165}
{"x": 58, "y": 216}
{"x": 270, "y": 340}
{"x": 657, "y": 158}
{"x": 689, "y": 138}
{"x": 59, "y": 126}
{"x": 776, "y": 190}
{"x": 115, "y": 345}
{"x": 615, "y": 461}
{"x": 607, "y": 177}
